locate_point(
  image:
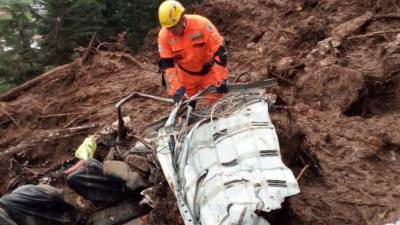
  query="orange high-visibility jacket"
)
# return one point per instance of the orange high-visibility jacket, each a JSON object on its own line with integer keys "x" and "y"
{"x": 190, "y": 52}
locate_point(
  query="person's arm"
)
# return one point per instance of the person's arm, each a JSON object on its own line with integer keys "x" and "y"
{"x": 167, "y": 66}
{"x": 216, "y": 46}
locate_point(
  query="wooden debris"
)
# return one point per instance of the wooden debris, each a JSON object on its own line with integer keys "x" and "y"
{"x": 241, "y": 74}
{"x": 302, "y": 172}
{"x": 280, "y": 77}
{"x": 60, "y": 165}
{"x": 133, "y": 61}
{"x": 85, "y": 57}
{"x": 363, "y": 203}
{"x": 56, "y": 135}
{"x": 57, "y": 115}
{"x": 122, "y": 132}
{"x": 9, "y": 116}
{"x": 374, "y": 34}
{"x": 340, "y": 33}
{"x": 79, "y": 117}
{"x": 349, "y": 27}
{"x": 31, "y": 171}
{"x": 52, "y": 74}
{"x": 387, "y": 16}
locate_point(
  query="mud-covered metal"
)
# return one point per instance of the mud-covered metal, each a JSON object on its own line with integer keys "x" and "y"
{"x": 226, "y": 168}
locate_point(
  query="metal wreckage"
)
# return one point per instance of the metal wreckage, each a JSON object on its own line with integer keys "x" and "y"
{"x": 226, "y": 166}
{"x": 222, "y": 163}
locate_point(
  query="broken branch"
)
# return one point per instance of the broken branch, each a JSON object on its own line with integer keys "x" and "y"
{"x": 241, "y": 74}
{"x": 302, "y": 172}
{"x": 377, "y": 33}
{"x": 361, "y": 203}
{"x": 387, "y": 16}
{"x": 79, "y": 117}
{"x": 57, "y": 115}
{"x": 284, "y": 79}
{"x": 60, "y": 165}
{"x": 121, "y": 124}
{"x": 85, "y": 57}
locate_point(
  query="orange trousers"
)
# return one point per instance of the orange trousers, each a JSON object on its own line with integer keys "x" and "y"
{"x": 193, "y": 84}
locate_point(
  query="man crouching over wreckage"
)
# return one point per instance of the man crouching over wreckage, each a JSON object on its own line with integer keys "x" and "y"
{"x": 193, "y": 56}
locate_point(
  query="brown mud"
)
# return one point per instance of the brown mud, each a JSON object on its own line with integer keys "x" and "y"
{"x": 337, "y": 114}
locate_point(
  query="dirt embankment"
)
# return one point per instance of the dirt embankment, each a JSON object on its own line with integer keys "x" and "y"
{"x": 43, "y": 126}
{"x": 337, "y": 64}
{"x": 337, "y": 113}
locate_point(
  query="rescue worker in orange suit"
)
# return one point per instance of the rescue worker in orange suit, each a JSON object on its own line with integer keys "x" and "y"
{"x": 193, "y": 56}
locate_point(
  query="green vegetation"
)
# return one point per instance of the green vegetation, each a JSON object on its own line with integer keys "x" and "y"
{"x": 68, "y": 25}
{"x": 65, "y": 25}
{"x": 7, "y": 2}
{"x": 19, "y": 62}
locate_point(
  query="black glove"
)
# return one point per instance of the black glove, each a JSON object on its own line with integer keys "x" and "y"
{"x": 179, "y": 94}
{"x": 223, "y": 87}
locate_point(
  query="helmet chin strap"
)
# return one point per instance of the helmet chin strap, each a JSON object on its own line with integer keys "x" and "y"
{"x": 183, "y": 24}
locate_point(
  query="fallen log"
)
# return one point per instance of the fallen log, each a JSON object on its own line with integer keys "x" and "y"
{"x": 134, "y": 61}
{"x": 341, "y": 32}
{"x": 349, "y": 27}
{"x": 15, "y": 92}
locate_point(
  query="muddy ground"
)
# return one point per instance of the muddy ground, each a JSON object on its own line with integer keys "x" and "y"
{"x": 337, "y": 113}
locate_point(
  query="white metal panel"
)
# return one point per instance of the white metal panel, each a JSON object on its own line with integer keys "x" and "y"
{"x": 229, "y": 168}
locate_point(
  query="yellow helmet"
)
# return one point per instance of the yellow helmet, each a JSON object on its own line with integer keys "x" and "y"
{"x": 170, "y": 12}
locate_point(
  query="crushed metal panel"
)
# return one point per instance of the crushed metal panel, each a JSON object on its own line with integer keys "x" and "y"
{"x": 229, "y": 168}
